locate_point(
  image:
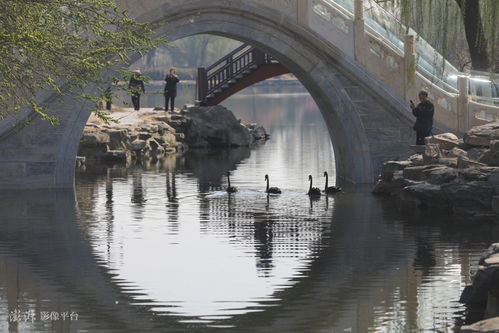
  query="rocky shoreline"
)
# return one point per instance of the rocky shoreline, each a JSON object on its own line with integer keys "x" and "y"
{"x": 482, "y": 298}
{"x": 456, "y": 176}
{"x": 155, "y": 133}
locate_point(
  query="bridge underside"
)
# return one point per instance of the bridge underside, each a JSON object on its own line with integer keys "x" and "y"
{"x": 367, "y": 122}
{"x": 262, "y": 73}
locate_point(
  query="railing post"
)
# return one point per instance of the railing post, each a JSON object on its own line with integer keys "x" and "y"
{"x": 202, "y": 84}
{"x": 302, "y": 11}
{"x": 358, "y": 31}
{"x": 463, "y": 119}
{"x": 258, "y": 56}
{"x": 409, "y": 66}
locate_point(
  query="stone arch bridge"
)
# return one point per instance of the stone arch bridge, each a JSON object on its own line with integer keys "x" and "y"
{"x": 357, "y": 78}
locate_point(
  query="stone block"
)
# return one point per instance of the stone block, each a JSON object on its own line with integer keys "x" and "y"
{"x": 388, "y": 168}
{"x": 418, "y": 173}
{"x": 432, "y": 153}
{"x": 495, "y": 204}
{"x": 445, "y": 140}
{"x": 473, "y": 195}
{"x": 442, "y": 176}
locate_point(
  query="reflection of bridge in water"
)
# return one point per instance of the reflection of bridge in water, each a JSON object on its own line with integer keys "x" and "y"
{"x": 55, "y": 247}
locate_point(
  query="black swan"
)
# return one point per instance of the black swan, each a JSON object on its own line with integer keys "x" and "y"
{"x": 315, "y": 191}
{"x": 273, "y": 190}
{"x": 330, "y": 189}
{"x": 230, "y": 189}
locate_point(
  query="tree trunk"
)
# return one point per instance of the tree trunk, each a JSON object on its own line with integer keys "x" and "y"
{"x": 473, "y": 25}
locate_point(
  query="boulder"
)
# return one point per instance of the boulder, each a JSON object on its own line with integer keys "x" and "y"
{"x": 475, "y": 154}
{"x": 217, "y": 126}
{"x": 418, "y": 173}
{"x": 432, "y": 153}
{"x": 445, "y": 140}
{"x": 388, "y": 168}
{"x": 473, "y": 195}
{"x": 137, "y": 145}
{"x": 456, "y": 152}
{"x": 481, "y": 136}
{"x": 384, "y": 187}
{"x": 144, "y": 135}
{"x": 426, "y": 194}
{"x": 442, "y": 176}
{"x": 92, "y": 137}
{"x": 490, "y": 158}
{"x": 474, "y": 174}
{"x": 117, "y": 138}
{"x": 463, "y": 163}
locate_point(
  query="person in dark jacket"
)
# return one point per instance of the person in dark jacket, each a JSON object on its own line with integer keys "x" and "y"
{"x": 171, "y": 88}
{"x": 424, "y": 117}
{"x": 136, "y": 86}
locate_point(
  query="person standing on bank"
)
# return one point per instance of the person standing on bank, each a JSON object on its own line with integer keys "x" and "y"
{"x": 171, "y": 88}
{"x": 136, "y": 87}
{"x": 424, "y": 117}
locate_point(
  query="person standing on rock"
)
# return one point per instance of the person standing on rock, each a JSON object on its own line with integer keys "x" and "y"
{"x": 136, "y": 87}
{"x": 424, "y": 117}
{"x": 171, "y": 88}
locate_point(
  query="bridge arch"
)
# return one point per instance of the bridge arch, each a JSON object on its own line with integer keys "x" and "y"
{"x": 367, "y": 122}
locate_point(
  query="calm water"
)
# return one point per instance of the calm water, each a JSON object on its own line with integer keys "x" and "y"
{"x": 161, "y": 248}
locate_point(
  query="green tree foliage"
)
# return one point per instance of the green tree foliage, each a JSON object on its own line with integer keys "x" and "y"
{"x": 445, "y": 23}
{"x": 58, "y": 45}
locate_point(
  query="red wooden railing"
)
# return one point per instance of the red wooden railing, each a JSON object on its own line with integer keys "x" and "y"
{"x": 235, "y": 65}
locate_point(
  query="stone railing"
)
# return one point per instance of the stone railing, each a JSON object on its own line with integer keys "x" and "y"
{"x": 342, "y": 23}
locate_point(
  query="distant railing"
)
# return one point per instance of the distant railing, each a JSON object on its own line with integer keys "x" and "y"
{"x": 404, "y": 61}
{"x": 222, "y": 73}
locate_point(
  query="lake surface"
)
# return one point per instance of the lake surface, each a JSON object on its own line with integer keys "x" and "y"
{"x": 162, "y": 248}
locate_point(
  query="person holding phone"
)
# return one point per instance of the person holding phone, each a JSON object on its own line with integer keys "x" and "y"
{"x": 424, "y": 117}
{"x": 170, "y": 92}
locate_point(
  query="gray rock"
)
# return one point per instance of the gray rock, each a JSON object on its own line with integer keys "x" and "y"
{"x": 456, "y": 152}
{"x": 137, "y": 145}
{"x": 144, "y": 135}
{"x": 384, "y": 187}
{"x": 445, "y": 140}
{"x": 217, "y": 126}
{"x": 94, "y": 137}
{"x": 442, "y": 176}
{"x": 473, "y": 195}
{"x": 117, "y": 138}
{"x": 418, "y": 173}
{"x": 480, "y": 136}
{"x": 426, "y": 194}
{"x": 463, "y": 163}
{"x": 490, "y": 158}
{"x": 476, "y": 154}
{"x": 389, "y": 168}
{"x": 474, "y": 174}
{"x": 432, "y": 153}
